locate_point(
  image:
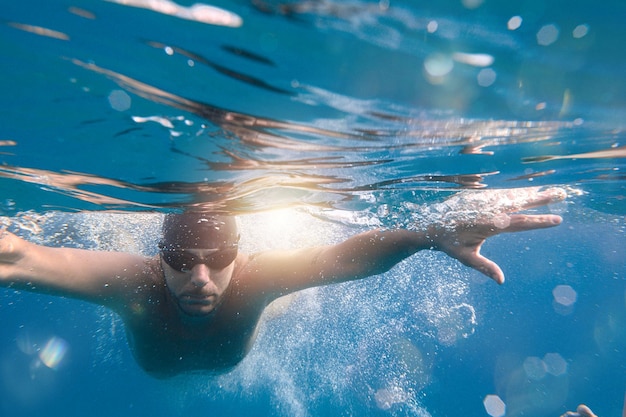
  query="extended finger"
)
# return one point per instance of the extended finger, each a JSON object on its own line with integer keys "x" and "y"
{"x": 543, "y": 198}
{"x": 523, "y": 222}
{"x": 486, "y": 266}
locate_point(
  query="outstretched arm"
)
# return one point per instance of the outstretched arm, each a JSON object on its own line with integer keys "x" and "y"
{"x": 377, "y": 251}
{"x": 106, "y": 278}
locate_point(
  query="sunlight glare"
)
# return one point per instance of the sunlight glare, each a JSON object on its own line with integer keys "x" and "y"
{"x": 281, "y": 229}
{"x": 41, "y": 31}
{"x": 198, "y": 12}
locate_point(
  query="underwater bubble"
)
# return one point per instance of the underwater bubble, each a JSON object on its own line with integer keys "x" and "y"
{"x": 494, "y": 406}
{"x": 383, "y": 210}
{"x": 456, "y": 323}
{"x": 386, "y": 397}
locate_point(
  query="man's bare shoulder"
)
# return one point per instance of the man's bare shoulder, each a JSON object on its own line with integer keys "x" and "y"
{"x": 250, "y": 276}
{"x": 139, "y": 280}
{"x": 251, "y": 267}
{"x": 274, "y": 273}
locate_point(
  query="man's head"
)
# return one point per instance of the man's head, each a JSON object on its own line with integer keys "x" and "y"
{"x": 198, "y": 251}
{"x": 198, "y": 230}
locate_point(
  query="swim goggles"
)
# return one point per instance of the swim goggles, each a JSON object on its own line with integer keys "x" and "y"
{"x": 183, "y": 261}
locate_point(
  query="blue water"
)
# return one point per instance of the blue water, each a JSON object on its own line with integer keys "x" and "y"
{"x": 342, "y": 116}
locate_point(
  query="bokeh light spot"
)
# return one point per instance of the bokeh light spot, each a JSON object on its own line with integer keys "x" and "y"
{"x": 564, "y": 295}
{"x": 494, "y": 406}
{"x": 501, "y": 220}
{"x": 547, "y": 35}
{"x": 580, "y": 31}
{"x": 472, "y": 4}
{"x": 119, "y": 100}
{"x": 437, "y": 66}
{"x": 486, "y": 77}
{"x": 514, "y": 23}
{"x": 555, "y": 364}
{"x": 534, "y": 368}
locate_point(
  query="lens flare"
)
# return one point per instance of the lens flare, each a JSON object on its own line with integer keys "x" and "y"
{"x": 53, "y": 353}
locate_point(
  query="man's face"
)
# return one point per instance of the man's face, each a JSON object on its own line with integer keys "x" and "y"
{"x": 199, "y": 289}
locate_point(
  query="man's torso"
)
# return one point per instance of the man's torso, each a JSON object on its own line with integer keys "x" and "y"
{"x": 165, "y": 345}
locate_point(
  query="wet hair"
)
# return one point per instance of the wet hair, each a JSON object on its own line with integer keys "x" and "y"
{"x": 198, "y": 230}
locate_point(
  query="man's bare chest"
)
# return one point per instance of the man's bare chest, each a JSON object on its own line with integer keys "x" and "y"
{"x": 162, "y": 343}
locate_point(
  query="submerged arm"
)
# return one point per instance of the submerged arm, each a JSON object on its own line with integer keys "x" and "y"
{"x": 370, "y": 253}
{"x": 377, "y": 251}
{"x": 105, "y": 278}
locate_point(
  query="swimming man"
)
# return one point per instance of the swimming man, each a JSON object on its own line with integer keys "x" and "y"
{"x": 196, "y": 305}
